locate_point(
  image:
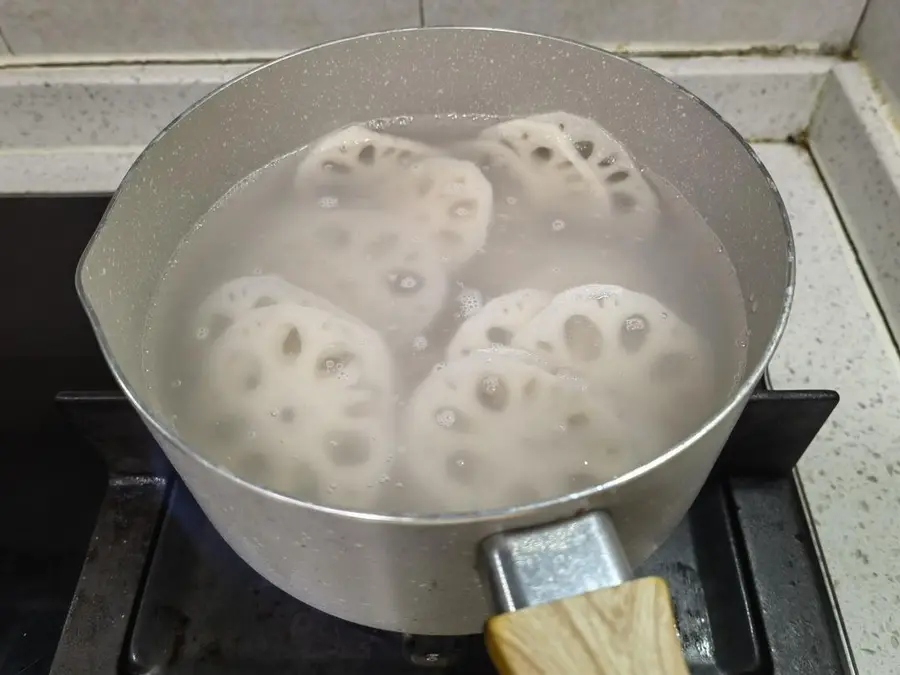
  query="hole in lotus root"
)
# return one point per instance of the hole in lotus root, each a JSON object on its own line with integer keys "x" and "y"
{"x": 332, "y": 364}
{"x": 577, "y": 421}
{"x": 617, "y": 177}
{"x": 541, "y": 155}
{"x": 464, "y": 208}
{"x": 492, "y": 393}
{"x": 333, "y": 238}
{"x": 581, "y": 481}
{"x": 404, "y": 157}
{"x": 529, "y": 389}
{"x": 264, "y": 301}
{"x": 622, "y": 201}
{"x": 336, "y": 167}
{"x": 670, "y": 367}
{"x": 584, "y": 148}
{"x": 382, "y": 245}
{"x": 545, "y": 346}
{"x": 367, "y": 155}
{"x": 347, "y": 448}
{"x": 292, "y": 345}
{"x": 633, "y": 333}
{"x": 462, "y": 467}
{"x": 218, "y": 324}
{"x": 405, "y": 282}
{"x": 452, "y": 419}
{"x": 607, "y": 161}
{"x": 583, "y": 338}
{"x": 497, "y": 335}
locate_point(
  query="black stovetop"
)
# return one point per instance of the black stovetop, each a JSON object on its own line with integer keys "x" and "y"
{"x": 160, "y": 592}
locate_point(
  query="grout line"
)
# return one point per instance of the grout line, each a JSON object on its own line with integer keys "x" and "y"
{"x": 421, "y": 13}
{"x": 257, "y": 56}
{"x": 854, "y": 39}
{"x": 5, "y": 42}
{"x": 81, "y": 60}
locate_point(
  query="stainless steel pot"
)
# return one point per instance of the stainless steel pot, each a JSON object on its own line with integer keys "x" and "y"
{"x": 421, "y": 574}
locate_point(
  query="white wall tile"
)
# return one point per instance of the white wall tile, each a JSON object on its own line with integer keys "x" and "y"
{"x": 856, "y": 144}
{"x": 146, "y": 26}
{"x": 660, "y": 24}
{"x": 763, "y": 98}
{"x": 878, "y": 41}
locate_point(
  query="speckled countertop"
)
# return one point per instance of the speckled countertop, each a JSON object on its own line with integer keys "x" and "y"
{"x": 836, "y": 337}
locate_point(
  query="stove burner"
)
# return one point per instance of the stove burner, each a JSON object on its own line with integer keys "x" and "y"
{"x": 162, "y": 593}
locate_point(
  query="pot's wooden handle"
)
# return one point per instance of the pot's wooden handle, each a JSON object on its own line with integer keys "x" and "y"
{"x": 621, "y": 630}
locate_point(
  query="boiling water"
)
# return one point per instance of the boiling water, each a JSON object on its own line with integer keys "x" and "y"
{"x": 260, "y": 228}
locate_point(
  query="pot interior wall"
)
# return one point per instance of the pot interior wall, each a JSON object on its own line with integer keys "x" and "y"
{"x": 425, "y": 71}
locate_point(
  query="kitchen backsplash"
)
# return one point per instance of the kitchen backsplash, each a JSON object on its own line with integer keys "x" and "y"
{"x": 55, "y": 28}
{"x": 677, "y": 25}
{"x": 879, "y": 45}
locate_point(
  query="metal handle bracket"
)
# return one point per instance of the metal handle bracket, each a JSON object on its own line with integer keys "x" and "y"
{"x": 550, "y": 562}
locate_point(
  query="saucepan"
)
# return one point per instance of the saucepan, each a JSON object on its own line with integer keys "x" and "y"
{"x": 554, "y": 575}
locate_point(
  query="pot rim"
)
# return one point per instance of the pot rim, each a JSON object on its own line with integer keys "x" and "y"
{"x": 736, "y": 399}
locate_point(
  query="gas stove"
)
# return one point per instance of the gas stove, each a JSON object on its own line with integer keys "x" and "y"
{"x": 108, "y": 566}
